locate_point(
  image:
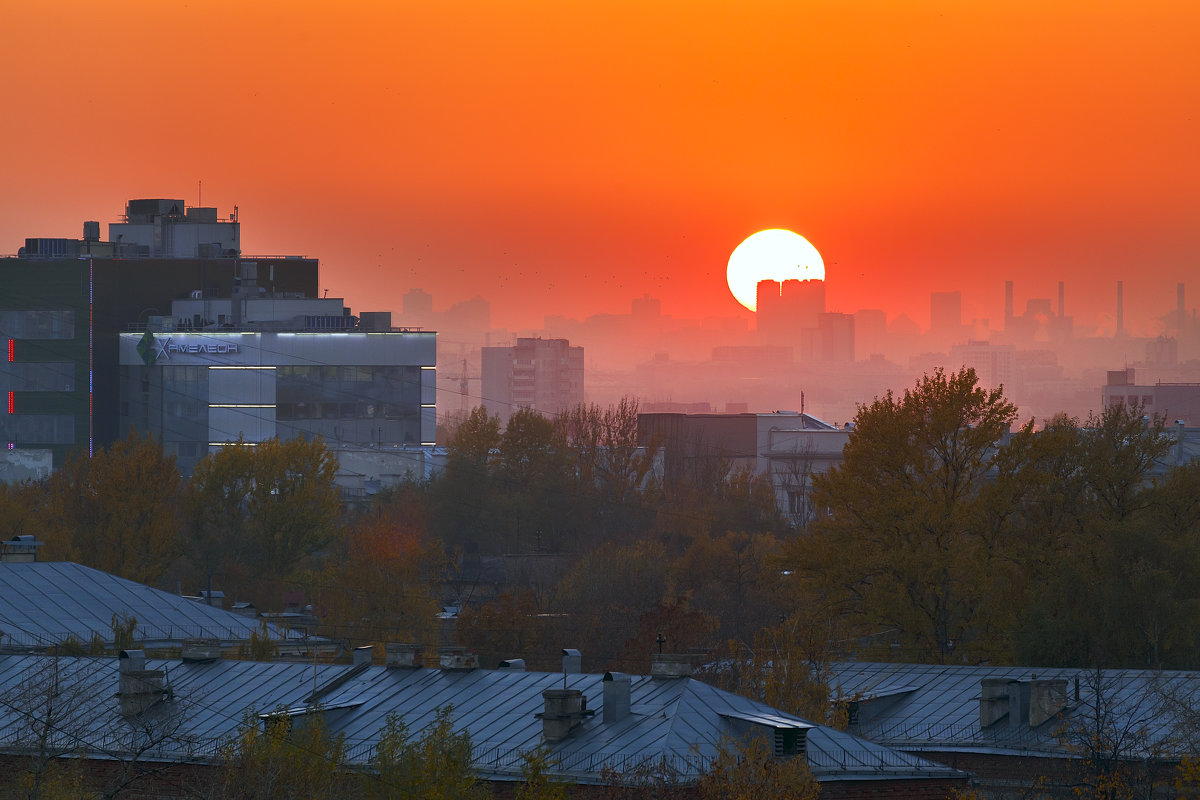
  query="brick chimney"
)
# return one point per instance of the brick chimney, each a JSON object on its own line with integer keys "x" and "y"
{"x": 403, "y": 656}
{"x": 140, "y": 688}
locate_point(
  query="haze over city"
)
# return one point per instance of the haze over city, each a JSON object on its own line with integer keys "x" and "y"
{"x": 562, "y": 160}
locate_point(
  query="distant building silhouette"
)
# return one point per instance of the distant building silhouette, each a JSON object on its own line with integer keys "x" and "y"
{"x": 545, "y": 375}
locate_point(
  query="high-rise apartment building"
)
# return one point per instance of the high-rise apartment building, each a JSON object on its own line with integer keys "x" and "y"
{"x": 545, "y": 375}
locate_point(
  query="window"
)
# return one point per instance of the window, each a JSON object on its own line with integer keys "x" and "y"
{"x": 24, "y": 323}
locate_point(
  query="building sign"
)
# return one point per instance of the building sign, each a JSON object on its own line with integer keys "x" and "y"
{"x": 151, "y": 348}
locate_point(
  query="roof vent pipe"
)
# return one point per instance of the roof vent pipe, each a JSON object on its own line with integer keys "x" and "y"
{"x": 513, "y": 664}
{"x": 363, "y": 655}
{"x": 616, "y": 696}
{"x": 572, "y": 661}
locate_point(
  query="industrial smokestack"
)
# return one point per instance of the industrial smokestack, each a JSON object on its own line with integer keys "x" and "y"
{"x": 1008, "y": 305}
{"x": 1181, "y": 307}
{"x": 1062, "y": 305}
{"x": 1120, "y": 308}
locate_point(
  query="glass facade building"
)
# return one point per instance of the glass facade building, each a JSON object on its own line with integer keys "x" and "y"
{"x": 196, "y": 391}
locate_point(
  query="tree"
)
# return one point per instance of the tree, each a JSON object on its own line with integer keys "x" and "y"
{"x": 465, "y": 501}
{"x": 1108, "y": 554}
{"x": 787, "y": 667}
{"x": 746, "y": 770}
{"x": 283, "y": 758}
{"x": 116, "y": 511}
{"x": 381, "y": 582}
{"x": 900, "y": 549}
{"x": 214, "y": 504}
{"x": 292, "y": 503}
{"x": 436, "y": 765}
{"x": 538, "y": 783}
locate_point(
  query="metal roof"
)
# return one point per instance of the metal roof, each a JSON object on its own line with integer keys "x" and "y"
{"x": 45, "y": 603}
{"x": 927, "y": 707}
{"x": 676, "y": 723}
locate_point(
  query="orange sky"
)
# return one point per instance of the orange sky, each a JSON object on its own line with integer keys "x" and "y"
{"x": 565, "y": 157}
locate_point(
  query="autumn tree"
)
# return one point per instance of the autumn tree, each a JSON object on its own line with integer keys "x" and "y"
{"x": 465, "y": 501}
{"x": 615, "y": 471}
{"x": 282, "y": 758}
{"x": 259, "y": 509}
{"x": 747, "y": 770}
{"x": 787, "y": 666}
{"x": 734, "y": 577}
{"x": 605, "y": 593}
{"x": 116, "y": 511}
{"x": 381, "y": 582}
{"x": 214, "y": 506}
{"x": 1108, "y": 553}
{"x": 432, "y": 765}
{"x": 900, "y": 548}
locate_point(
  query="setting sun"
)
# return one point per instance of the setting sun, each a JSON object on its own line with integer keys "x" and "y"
{"x": 776, "y": 255}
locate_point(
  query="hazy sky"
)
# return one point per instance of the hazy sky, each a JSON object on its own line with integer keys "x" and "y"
{"x": 563, "y": 157}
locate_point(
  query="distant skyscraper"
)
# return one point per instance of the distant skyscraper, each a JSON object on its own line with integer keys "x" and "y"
{"x": 784, "y": 310}
{"x": 945, "y": 316}
{"x": 836, "y": 332}
{"x": 545, "y": 375}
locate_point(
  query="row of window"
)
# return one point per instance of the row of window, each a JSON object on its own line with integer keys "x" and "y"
{"x": 37, "y": 428}
{"x": 288, "y": 411}
{"x": 27, "y": 323}
{"x": 29, "y": 376}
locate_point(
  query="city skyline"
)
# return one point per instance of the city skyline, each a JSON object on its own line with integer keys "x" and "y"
{"x": 560, "y": 161}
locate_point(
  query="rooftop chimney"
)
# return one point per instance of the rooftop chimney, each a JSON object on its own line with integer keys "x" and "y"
{"x": 513, "y": 664}
{"x": 201, "y": 651}
{"x": 139, "y": 688}
{"x": 1046, "y": 699}
{"x": 363, "y": 655}
{"x": 563, "y": 711}
{"x": 403, "y": 656}
{"x": 572, "y": 661}
{"x": 457, "y": 659}
{"x": 616, "y": 696}
{"x": 670, "y": 665}
{"x": 993, "y": 701}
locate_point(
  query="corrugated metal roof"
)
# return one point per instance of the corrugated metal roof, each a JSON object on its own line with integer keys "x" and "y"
{"x": 45, "y": 603}
{"x": 937, "y": 708}
{"x": 678, "y": 723}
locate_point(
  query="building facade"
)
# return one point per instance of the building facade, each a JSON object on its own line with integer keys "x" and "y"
{"x": 545, "y": 375}
{"x": 201, "y": 390}
{"x": 64, "y": 302}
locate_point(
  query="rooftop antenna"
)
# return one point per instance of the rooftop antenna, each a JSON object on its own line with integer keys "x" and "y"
{"x": 661, "y": 640}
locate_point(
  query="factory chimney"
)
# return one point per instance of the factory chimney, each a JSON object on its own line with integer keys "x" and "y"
{"x": 1062, "y": 305}
{"x": 1120, "y": 308}
{"x": 1008, "y": 306}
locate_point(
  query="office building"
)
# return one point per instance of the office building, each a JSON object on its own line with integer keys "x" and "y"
{"x": 219, "y": 371}
{"x": 545, "y": 375}
{"x": 64, "y": 302}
